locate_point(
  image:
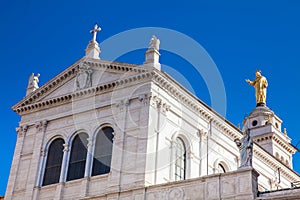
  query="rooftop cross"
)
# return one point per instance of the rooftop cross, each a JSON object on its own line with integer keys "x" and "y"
{"x": 94, "y": 31}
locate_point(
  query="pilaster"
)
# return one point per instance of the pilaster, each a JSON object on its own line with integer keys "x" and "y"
{"x": 36, "y": 159}
{"x": 21, "y": 131}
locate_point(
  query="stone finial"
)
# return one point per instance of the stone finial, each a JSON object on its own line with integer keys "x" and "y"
{"x": 93, "y": 50}
{"x": 152, "y": 54}
{"x": 32, "y": 83}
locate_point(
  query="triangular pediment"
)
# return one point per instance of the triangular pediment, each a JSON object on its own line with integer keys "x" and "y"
{"x": 83, "y": 74}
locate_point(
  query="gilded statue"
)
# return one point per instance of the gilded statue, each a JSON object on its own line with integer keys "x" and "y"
{"x": 260, "y": 84}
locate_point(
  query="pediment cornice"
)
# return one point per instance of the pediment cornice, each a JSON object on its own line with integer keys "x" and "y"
{"x": 70, "y": 73}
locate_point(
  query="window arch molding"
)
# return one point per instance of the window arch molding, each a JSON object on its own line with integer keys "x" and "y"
{"x": 96, "y": 148}
{"x": 45, "y": 154}
{"x": 72, "y": 136}
{"x": 188, "y": 149}
{"x": 186, "y": 140}
{"x": 71, "y": 159}
{"x": 103, "y": 125}
{"x": 223, "y": 163}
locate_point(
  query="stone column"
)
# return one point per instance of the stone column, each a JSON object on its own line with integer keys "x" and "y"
{"x": 87, "y": 172}
{"x": 32, "y": 189}
{"x": 22, "y": 130}
{"x": 202, "y": 136}
{"x": 64, "y": 164}
{"x": 89, "y": 158}
{"x": 63, "y": 173}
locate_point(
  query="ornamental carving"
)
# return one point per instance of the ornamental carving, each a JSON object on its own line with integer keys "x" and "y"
{"x": 90, "y": 142}
{"x": 122, "y": 104}
{"x": 84, "y": 77}
{"x": 144, "y": 98}
{"x": 176, "y": 194}
{"x": 158, "y": 104}
{"x": 21, "y": 130}
{"x": 66, "y": 147}
{"x": 43, "y": 152}
{"x": 41, "y": 126}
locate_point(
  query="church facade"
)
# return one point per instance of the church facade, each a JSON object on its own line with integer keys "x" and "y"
{"x": 109, "y": 130}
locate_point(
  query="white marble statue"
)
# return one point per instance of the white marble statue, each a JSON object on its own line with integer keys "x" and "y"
{"x": 33, "y": 81}
{"x": 154, "y": 43}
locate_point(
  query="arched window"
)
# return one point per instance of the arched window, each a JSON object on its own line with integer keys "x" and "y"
{"x": 221, "y": 168}
{"x": 180, "y": 160}
{"x": 103, "y": 151}
{"x": 78, "y": 157}
{"x": 54, "y": 160}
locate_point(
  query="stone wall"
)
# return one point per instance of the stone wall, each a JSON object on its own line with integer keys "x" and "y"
{"x": 239, "y": 185}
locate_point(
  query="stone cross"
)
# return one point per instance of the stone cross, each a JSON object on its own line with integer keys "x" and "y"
{"x": 94, "y": 32}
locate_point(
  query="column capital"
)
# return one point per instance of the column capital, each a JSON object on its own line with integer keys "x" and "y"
{"x": 21, "y": 130}
{"x": 66, "y": 147}
{"x": 41, "y": 125}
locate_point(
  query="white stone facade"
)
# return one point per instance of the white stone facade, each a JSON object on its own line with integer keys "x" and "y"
{"x": 147, "y": 110}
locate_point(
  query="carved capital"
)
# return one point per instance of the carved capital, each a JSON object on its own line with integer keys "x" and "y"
{"x": 203, "y": 133}
{"x": 117, "y": 136}
{"x": 165, "y": 108}
{"x": 144, "y": 99}
{"x": 90, "y": 142}
{"x": 22, "y": 130}
{"x": 190, "y": 154}
{"x": 121, "y": 105}
{"x": 158, "y": 104}
{"x": 43, "y": 152}
{"x": 41, "y": 125}
{"x": 66, "y": 147}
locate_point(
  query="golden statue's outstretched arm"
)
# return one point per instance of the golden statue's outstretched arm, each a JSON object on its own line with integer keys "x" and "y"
{"x": 250, "y": 82}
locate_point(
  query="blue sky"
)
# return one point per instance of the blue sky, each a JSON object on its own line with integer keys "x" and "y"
{"x": 47, "y": 36}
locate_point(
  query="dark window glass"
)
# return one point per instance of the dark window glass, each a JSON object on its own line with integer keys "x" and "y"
{"x": 54, "y": 160}
{"x": 78, "y": 157}
{"x": 103, "y": 151}
{"x": 221, "y": 169}
{"x": 180, "y": 162}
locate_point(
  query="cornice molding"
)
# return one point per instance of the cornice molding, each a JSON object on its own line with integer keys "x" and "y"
{"x": 81, "y": 93}
{"x": 273, "y": 136}
{"x": 29, "y": 104}
{"x": 271, "y": 161}
{"x": 181, "y": 94}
